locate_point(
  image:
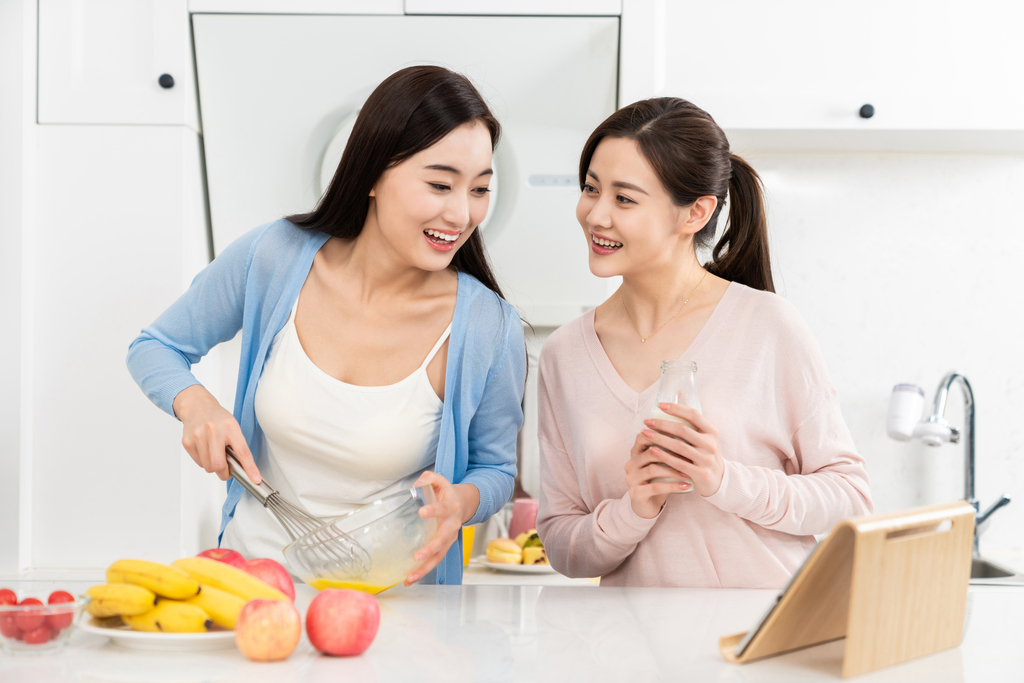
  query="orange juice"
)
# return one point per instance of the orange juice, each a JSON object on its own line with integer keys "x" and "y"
{"x": 322, "y": 584}
{"x": 468, "y": 532}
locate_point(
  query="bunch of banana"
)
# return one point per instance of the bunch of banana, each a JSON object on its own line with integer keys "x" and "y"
{"x": 186, "y": 597}
{"x": 149, "y": 596}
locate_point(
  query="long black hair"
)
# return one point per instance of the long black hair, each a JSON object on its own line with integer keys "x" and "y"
{"x": 408, "y": 112}
{"x": 690, "y": 155}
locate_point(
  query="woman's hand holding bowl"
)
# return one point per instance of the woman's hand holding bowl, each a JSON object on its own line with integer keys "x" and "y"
{"x": 456, "y": 504}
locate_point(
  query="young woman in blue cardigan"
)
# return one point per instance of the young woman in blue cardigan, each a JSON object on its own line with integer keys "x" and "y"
{"x": 377, "y": 349}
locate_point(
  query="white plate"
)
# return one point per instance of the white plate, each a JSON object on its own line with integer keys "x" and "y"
{"x": 516, "y": 568}
{"x": 119, "y": 634}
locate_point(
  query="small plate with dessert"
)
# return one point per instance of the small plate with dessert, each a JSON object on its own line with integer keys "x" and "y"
{"x": 523, "y": 555}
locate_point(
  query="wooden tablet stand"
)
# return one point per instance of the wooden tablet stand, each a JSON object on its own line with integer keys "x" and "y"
{"x": 894, "y": 585}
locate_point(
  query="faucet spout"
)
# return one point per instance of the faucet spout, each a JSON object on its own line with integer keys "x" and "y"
{"x": 967, "y": 433}
{"x": 983, "y": 517}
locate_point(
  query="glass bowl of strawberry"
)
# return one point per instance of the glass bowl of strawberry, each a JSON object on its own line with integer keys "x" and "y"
{"x": 30, "y": 625}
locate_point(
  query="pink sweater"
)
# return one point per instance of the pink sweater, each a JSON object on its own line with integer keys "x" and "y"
{"x": 791, "y": 468}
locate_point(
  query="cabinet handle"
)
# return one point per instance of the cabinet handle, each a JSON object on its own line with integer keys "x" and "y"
{"x": 166, "y": 81}
{"x": 867, "y": 111}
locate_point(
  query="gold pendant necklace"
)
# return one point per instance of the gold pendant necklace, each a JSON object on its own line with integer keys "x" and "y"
{"x": 642, "y": 337}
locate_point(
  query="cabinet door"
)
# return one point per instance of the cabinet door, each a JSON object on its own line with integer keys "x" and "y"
{"x": 102, "y": 61}
{"x": 807, "y": 65}
{"x": 120, "y": 230}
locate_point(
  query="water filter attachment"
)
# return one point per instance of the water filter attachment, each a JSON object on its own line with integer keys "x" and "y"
{"x": 906, "y": 407}
{"x": 903, "y": 422}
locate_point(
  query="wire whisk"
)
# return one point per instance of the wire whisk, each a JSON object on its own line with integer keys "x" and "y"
{"x": 332, "y": 551}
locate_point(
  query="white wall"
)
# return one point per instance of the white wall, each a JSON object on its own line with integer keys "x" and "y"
{"x": 16, "y": 117}
{"x": 906, "y": 267}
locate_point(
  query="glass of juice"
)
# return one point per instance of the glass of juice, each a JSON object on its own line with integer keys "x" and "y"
{"x": 678, "y": 384}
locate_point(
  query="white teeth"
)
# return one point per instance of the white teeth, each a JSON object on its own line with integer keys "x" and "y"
{"x": 605, "y": 243}
{"x": 441, "y": 235}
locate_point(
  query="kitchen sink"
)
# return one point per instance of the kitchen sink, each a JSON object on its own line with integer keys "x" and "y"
{"x": 985, "y": 573}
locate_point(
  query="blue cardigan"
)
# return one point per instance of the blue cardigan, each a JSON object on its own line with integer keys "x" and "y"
{"x": 253, "y": 286}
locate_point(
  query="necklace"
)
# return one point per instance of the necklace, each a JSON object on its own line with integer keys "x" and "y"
{"x": 642, "y": 337}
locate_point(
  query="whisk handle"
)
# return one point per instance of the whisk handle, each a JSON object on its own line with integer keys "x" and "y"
{"x": 261, "y": 491}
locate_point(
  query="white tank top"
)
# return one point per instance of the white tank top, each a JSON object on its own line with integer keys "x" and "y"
{"x": 331, "y": 446}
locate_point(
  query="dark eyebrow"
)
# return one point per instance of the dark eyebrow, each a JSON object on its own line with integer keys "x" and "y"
{"x": 629, "y": 186}
{"x": 625, "y": 186}
{"x": 454, "y": 171}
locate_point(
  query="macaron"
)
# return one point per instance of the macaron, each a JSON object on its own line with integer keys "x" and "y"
{"x": 504, "y": 551}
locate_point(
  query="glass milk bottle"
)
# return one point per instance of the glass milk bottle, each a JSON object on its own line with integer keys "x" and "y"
{"x": 678, "y": 385}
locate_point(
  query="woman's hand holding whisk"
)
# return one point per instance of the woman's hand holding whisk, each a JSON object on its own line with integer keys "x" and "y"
{"x": 456, "y": 504}
{"x": 207, "y": 428}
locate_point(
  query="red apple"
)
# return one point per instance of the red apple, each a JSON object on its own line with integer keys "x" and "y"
{"x": 270, "y": 572}
{"x": 342, "y": 622}
{"x": 225, "y": 555}
{"x": 268, "y": 630}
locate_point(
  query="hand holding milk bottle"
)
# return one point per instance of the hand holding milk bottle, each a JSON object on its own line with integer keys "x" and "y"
{"x": 678, "y": 385}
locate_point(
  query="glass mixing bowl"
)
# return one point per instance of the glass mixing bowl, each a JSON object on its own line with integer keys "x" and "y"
{"x": 390, "y": 530}
{"x": 39, "y": 628}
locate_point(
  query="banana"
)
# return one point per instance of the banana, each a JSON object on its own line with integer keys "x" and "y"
{"x": 170, "y": 616}
{"x": 227, "y": 578}
{"x": 119, "y": 598}
{"x": 167, "y": 582}
{"x": 221, "y": 606}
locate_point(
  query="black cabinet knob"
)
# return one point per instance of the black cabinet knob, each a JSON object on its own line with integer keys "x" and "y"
{"x": 167, "y": 81}
{"x": 867, "y": 111}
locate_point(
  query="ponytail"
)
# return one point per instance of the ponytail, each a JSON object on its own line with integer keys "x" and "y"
{"x": 690, "y": 155}
{"x": 741, "y": 255}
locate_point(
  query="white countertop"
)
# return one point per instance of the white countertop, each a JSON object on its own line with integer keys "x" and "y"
{"x": 542, "y": 633}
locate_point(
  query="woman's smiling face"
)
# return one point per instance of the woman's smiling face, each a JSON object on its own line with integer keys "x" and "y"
{"x": 628, "y": 218}
{"x": 428, "y": 205}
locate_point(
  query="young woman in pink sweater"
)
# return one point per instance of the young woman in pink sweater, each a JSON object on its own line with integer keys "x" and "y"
{"x": 771, "y": 459}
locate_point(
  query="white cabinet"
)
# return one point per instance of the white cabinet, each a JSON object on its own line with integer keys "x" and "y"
{"x": 120, "y": 229}
{"x": 102, "y": 61}
{"x": 933, "y": 71}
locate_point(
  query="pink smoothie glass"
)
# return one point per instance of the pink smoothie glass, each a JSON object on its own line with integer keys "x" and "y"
{"x": 524, "y": 516}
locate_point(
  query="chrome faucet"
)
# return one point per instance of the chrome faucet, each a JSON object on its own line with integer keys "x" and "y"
{"x": 904, "y": 424}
